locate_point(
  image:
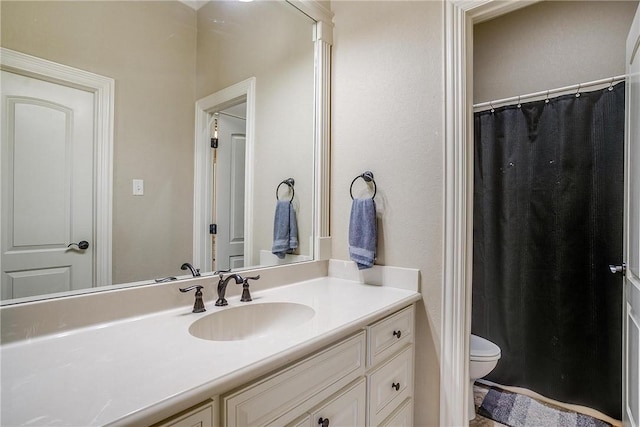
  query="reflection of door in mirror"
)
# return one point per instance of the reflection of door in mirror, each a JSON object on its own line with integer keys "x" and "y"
{"x": 229, "y": 185}
{"x": 47, "y": 187}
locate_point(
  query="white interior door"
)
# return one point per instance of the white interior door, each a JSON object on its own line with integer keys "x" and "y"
{"x": 229, "y": 189}
{"x": 631, "y": 334}
{"x": 47, "y": 186}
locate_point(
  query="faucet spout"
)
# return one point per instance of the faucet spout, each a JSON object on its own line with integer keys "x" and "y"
{"x": 222, "y": 287}
{"x": 195, "y": 272}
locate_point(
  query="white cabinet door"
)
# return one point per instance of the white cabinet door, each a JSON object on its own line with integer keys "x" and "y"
{"x": 347, "y": 409}
{"x": 402, "y": 417}
{"x": 389, "y": 385}
{"x": 282, "y": 397}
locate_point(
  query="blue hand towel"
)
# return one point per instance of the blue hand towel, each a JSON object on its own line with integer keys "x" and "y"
{"x": 363, "y": 234}
{"x": 285, "y": 229}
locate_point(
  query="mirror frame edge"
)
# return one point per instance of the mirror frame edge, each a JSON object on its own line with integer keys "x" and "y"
{"x": 323, "y": 41}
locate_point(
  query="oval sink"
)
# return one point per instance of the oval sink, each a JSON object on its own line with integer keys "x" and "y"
{"x": 250, "y": 321}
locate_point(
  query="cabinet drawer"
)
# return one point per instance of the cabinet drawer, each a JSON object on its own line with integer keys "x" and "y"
{"x": 347, "y": 409}
{"x": 270, "y": 398}
{"x": 390, "y": 334}
{"x": 390, "y": 385}
{"x": 401, "y": 417}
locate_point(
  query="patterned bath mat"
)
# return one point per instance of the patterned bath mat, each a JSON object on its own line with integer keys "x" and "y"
{"x": 516, "y": 410}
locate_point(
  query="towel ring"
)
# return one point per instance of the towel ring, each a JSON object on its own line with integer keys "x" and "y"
{"x": 290, "y": 182}
{"x": 368, "y": 177}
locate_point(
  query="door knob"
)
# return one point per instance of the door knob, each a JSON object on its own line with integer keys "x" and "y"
{"x": 618, "y": 268}
{"x": 83, "y": 244}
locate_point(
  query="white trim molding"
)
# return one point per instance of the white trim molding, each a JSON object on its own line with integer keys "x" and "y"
{"x": 203, "y": 168}
{"x": 459, "y": 17}
{"x": 323, "y": 39}
{"x": 103, "y": 89}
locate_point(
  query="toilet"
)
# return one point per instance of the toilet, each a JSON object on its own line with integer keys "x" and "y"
{"x": 483, "y": 357}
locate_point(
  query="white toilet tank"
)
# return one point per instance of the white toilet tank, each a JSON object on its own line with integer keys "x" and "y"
{"x": 481, "y": 349}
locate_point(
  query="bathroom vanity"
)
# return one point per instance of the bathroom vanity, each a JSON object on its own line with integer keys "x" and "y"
{"x": 324, "y": 351}
{"x": 367, "y": 376}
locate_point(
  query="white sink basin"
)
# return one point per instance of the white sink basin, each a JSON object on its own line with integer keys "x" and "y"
{"x": 251, "y": 321}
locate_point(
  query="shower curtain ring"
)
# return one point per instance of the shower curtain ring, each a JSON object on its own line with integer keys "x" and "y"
{"x": 519, "y": 105}
{"x": 546, "y": 100}
{"x": 578, "y": 91}
{"x": 491, "y": 105}
{"x": 611, "y": 84}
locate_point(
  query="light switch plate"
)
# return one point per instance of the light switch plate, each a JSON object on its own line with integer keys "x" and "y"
{"x": 138, "y": 187}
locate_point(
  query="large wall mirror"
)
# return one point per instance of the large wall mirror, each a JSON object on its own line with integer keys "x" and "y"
{"x": 164, "y": 58}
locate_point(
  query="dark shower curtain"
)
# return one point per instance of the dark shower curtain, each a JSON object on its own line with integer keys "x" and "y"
{"x": 548, "y": 202}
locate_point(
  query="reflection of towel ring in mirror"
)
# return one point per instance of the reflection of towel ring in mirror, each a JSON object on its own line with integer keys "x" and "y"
{"x": 290, "y": 182}
{"x": 368, "y": 177}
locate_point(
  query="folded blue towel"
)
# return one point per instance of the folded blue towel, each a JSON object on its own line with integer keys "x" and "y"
{"x": 363, "y": 234}
{"x": 285, "y": 229}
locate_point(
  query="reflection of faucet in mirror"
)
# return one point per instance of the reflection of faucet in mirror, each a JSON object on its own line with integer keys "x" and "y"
{"x": 195, "y": 272}
{"x": 166, "y": 279}
{"x": 222, "y": 287}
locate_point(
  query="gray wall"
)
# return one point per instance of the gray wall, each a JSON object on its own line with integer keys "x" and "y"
{"x": 549, "y": 45}
{"x": 387, "y": 103}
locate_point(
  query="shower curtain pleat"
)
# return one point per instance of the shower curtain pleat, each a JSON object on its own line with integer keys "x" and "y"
{"x": 548, "y": 206}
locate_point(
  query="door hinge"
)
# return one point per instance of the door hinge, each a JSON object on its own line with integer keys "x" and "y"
{"x": 214, "y": 142}
{"x": 213, "y": 229}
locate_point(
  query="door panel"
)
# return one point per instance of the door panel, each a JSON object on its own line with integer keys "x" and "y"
{"x": 631, "y": 336}
{"x": 47, "y": 186}
{"x": 48, "y": 191}
{"x": 229, "y": 188}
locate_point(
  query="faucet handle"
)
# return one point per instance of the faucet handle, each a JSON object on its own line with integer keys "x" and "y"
{"x": 198, "y": 305}
{"x": 246, "y": 296}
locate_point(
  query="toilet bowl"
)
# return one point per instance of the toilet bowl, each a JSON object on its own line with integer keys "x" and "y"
{"x": 483, "y": 357}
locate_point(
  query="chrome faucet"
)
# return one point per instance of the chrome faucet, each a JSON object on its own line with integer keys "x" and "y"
{"x": 222, "y": 287}
{"x": 195, "y": 272}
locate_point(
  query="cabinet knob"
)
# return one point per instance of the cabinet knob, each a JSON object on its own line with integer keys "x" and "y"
{"x": 396, "y": 386}
{"x": 397, "y": 334}
{"x": 324, "y": 422}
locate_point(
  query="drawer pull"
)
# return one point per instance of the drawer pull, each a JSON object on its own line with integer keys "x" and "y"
{"x": 324, "y": 422}
{"x": 397, "y": 334}
{"x": 396, "y": 386}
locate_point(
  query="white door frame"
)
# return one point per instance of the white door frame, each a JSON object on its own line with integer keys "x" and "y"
{"x": 203, "y": 195}
{"x": 103, "y": 89}
{"x": 459, "y": 17}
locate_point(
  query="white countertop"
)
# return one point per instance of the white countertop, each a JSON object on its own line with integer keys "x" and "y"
{"x": 127, "y": 372}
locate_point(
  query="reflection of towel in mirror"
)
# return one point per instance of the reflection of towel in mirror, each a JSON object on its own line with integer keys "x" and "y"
{"x": 285, "y": 229}
{"x": 363, "y": 234}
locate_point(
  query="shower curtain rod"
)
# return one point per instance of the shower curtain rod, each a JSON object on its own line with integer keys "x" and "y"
{"x": 545, "y": 93}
